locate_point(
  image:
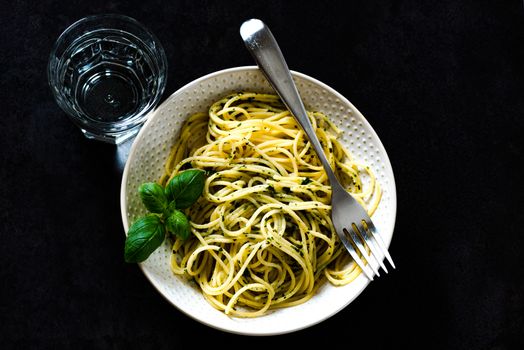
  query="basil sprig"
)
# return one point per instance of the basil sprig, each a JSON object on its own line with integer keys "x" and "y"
{"x": 147, "y": 233}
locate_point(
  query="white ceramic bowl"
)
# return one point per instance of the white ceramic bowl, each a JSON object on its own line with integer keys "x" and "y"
{"x": 151, "y": 148}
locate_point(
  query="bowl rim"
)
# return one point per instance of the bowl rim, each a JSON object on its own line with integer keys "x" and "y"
{"x": 140, "y": 135}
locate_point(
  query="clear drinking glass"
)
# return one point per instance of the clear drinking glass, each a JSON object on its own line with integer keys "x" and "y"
{"x": 107, "y": 72}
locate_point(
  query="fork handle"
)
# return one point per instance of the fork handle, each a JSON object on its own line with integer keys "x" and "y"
{"x": 262, "y": 45}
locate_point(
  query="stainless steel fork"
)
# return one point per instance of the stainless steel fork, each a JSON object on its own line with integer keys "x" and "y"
{"x": 351, "y": 221}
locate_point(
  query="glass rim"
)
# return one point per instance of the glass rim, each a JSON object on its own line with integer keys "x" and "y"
{"x": 116, "y": 16}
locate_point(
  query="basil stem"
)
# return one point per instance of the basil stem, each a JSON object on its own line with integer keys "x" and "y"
{"x": 144, "y": 236}
{"x": 171, "y": 207}
{"x": 153, "y": 197}
{"x": 186, "y": 187}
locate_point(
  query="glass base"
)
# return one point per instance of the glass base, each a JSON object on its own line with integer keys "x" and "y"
{"x": 114, "y": 139}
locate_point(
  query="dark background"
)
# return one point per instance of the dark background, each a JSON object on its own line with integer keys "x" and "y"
{"x": 440, "y": 81}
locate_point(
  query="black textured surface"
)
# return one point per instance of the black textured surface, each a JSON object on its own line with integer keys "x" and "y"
{"x": 440, "y": 81}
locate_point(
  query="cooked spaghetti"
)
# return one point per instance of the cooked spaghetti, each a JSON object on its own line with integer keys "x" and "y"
{"x": 262, "y": 231}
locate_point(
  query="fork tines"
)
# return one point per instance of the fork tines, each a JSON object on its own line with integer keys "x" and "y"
{"x": 363, "y": 237}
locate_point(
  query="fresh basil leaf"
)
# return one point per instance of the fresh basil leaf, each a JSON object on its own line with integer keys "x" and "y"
{"x": 153, "y": 197}
{"x": 144, "y": 236}
{"x": 186, "y": 187}
{"x": 178, "y": 224}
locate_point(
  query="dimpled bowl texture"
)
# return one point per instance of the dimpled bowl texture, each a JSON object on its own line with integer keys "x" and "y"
{"x": 151, "y": 148}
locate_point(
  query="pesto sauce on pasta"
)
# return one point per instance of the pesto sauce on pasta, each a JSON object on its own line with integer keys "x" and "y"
{"x": 262, "y": 231}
